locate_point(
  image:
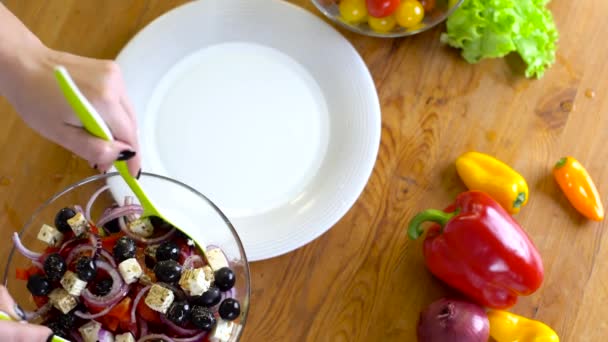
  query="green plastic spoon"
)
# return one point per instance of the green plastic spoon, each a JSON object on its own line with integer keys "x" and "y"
{"x": 95, "y": 125}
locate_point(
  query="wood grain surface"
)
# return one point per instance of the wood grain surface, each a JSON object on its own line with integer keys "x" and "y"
{"x": 364, "y": 280}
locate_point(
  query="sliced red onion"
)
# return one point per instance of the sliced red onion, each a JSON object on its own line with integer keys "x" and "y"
{"x": 195, "y": 338}
{"x": 109, "y": 258}
{"x": 67, "y": 243}
{"x": 141, "y": 293}
{"x": 23, "y": 250}
{"x": 92, "y": 200}
{"x": 193, "y": 261}
{"x": 97, "y": 315}
{"x": 78, "y": 209}
{"x": 119, "y": 212}
{"x": 117, "y": 292}
{"x": 43, "y": 310}
{"x": 176, "y": 328}
{"x": 38, "y": 264}
{"x": 146, "y": 241}
{"x": 84, "y": 248}
{"x": 153, "y": 337}
{"x": 77, "y": 251}
{"x": 104, "y": 336}
{"x": 143, "y": 327}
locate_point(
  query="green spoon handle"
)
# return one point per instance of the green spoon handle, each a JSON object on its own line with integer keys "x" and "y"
{"x": 94, "y": 124}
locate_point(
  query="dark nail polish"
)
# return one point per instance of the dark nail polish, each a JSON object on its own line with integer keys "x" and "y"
{"x": 50, "y": 339}
{"x": 125, "y": 155}
{"x": 95, "y": 167}
{"x": 19, "y": 311}
{"x": 138, "y": 174}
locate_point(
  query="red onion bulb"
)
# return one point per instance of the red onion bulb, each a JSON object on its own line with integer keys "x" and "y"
{"x": 453, "y": 320}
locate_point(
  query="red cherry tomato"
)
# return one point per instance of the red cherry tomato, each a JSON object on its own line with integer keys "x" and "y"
{"x": 382, "y": 8}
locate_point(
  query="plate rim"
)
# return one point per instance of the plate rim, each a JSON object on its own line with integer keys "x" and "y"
{"x": 375, "y": 133}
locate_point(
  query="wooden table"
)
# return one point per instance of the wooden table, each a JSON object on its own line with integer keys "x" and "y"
{"x": 364, "y": 280}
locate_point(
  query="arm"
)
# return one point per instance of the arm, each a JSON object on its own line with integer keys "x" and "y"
{"x": 27, "y": 81}
{"x": 18, "y": 50}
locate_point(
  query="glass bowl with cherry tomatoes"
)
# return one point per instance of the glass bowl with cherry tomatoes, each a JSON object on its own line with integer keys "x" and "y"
{"x": 387, "y": 18}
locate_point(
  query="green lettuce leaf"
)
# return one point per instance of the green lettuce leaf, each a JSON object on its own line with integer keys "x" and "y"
{"x": 495, "y": 28}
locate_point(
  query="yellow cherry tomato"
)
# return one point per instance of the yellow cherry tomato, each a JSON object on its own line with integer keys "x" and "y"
{"x": 410, "y": 13}
{"x": 382, "y": 25}
{"x": 353, "y": 11}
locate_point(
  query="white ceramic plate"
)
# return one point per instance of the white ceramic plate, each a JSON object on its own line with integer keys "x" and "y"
{"x": 262, "y": 107}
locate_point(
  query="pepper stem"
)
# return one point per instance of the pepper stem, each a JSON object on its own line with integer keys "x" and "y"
{"x": 431, "y": 215}
{"x": 521, "y": 198}
{"x": 561, "y": 162}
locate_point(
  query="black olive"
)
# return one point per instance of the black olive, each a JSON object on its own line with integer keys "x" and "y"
{"x": 103, "y": 287}
{"x": 57, "y": 329}
{"x": 209, "y": 298}
{"x": 179, "y": 312}
{"x": 112, "y": 227}
{"x": 86, "y": 269}
{"x": 124, "y": 249}
{"x": 202, "y": 318}
{"x": 168, "y": 271}
{"x": 54, "y": 267}
{"x": 224, "y": 278}
{"x": 230, "y": 309}
{"x": 38, "y": 285}
{"x": 62, "y": 217}
{"x": 159, "y": 223}
{"x": 167, "y": 251}
{"x": 67, "y": 321}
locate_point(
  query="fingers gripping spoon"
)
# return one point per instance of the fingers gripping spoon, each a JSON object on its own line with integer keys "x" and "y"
{"x": 95, "y": 125}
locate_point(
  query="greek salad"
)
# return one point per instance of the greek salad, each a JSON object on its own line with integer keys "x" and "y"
{"x": 128, "y": 278}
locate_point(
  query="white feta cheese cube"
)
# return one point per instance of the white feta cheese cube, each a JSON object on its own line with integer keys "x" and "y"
{"x": 79, "y": 224}
{"x": 90, "y": 331}
{"x": 194, "y": 281}
{"x": 130, "y": 270}
{"x": 209, "y": 274}
{"x": 222, "y": 331}
{"x": 159, "y": 298}
{"x": 72, "y": 284}
{"x": 216, "y": 259}
{"x": 142, "y": 227}
{"x": 50, "y": 235}
{"x": 126, "y": 337}
{"x": 62, "y": 300}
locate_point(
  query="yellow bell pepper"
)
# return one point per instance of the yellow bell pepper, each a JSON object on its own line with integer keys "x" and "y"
{"x": 485, "y": 173}
{"x": 509, "y": 327}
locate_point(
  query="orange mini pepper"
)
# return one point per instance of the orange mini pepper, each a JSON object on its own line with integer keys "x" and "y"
{"x": 579, "y": 188}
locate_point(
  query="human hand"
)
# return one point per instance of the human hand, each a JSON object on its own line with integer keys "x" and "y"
{"x": 19, "y": 330}
{"x": 34, "y": 93}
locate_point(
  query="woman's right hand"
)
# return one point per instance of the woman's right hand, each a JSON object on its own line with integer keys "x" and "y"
{"x": 36, "y": 96}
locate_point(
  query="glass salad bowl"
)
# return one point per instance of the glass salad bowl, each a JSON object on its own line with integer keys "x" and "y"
{"x": 203, "y": 294}
{"x": 387, "y": 18}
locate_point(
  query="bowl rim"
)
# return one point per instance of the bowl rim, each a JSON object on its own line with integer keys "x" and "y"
{"x": 94, "y": 178}
{"x": 372, "y": 33}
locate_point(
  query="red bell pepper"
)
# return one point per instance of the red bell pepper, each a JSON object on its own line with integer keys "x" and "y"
{"x": 480, "y": 250}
